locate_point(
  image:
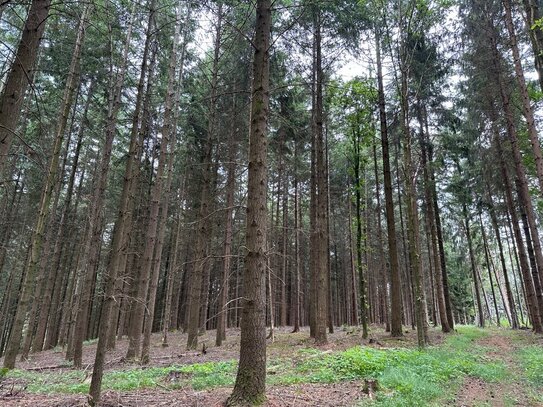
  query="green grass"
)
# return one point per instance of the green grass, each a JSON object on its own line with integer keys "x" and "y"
{"x": 407, "y": 377}
{"x": 198, "y": 376}
{"x": 531, "y": 360}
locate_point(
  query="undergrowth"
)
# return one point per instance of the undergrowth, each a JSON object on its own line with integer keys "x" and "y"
{"x": 407, "y": 377}
{"x": 531, "y": 359}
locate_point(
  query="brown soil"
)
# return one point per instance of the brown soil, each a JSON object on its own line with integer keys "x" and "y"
{"x": 325, "y": 395}
{"x": 285, "y": 344}
{"x": 13, "y": 393}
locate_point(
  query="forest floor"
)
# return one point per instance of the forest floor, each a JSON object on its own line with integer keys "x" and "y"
{"x": 471, "y": 367}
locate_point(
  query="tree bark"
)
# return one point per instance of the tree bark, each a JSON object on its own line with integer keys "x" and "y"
{"x": 489, "y": 268}
{"x": 521, "y": 181}
{"x": 411, "y": 204}
{"x": 160, "y": 194}
{"x": 359, "y": 237}
{"x": 395, "y": 279}
{"x": 438, "y": 277}
{"x": 320, "y": 275}
{"x": 250, "y": 385}
{"x": 533, "y": 14}
{"x": 228, "y": 231}
{"x": 45, "y": 201}
{"x": 531, "y": 300}
{"x": 297, "y": 259}
{"x": 204, "y": 225}
{"x": 119, "y": 241}
{"x": 383, "y": 269}
{"x": 508, "y": 290}
{"x": 473, "y": 264}
{"x": 527, "y": 109}
{"x": 20, "y": 75}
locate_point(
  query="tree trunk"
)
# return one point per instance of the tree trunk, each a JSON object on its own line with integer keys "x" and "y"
{"x": 50, "y": 182}
{"x": 160, "y": 194}
{"x": 49, "y": 307}
{"x": 395, "y": 279}
{"x": 438, "y": 277}
{"x": 19, "y": 76}
{"x": 359, "y": 237}
{"x": 533, "y": 14}
{"x": 119, "y": 240}
{"x": 525, "y": 201}
{"x": 320, "y": 275}
{"x": 489, "y": 268}
{"x": 297, "y": 259}
{"x": 412, "y": 211}
{"x": 199, "y": 271}
{"x": 383, "y": 269}
{"x": 250, "y": 385}
{"x": 228, "y": 232}
{"x": 508, "y": 290}
{"x": 481, "y": 322}
{"x": 523, "y": 260}
{"x": 527, "y": 109}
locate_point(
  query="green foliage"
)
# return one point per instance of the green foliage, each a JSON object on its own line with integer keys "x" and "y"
{"x": 408, "y": 377}
{"x": 197, "y": 376}
{"x": 52, "y": 381}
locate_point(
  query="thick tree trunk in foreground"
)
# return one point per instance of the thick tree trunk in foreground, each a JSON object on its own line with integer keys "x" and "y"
{"x": 250, "y": 385}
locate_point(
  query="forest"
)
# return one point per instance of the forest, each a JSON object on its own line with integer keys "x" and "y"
{"x": 271, "y": 202}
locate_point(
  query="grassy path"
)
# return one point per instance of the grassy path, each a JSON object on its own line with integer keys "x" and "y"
{"x": 523, "y": 385}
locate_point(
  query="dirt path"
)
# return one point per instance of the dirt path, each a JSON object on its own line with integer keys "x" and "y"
{"x": 510, "y": 392}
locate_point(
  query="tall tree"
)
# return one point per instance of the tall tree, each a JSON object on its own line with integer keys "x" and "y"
{"x": 395, "y": 275}
{"x": 319, "y": 245}
{"x": 46, "y": 196}
{"x": 250, "y": 385}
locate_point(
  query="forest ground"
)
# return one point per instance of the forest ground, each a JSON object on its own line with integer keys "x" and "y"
{"x": 471, "y": 367}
